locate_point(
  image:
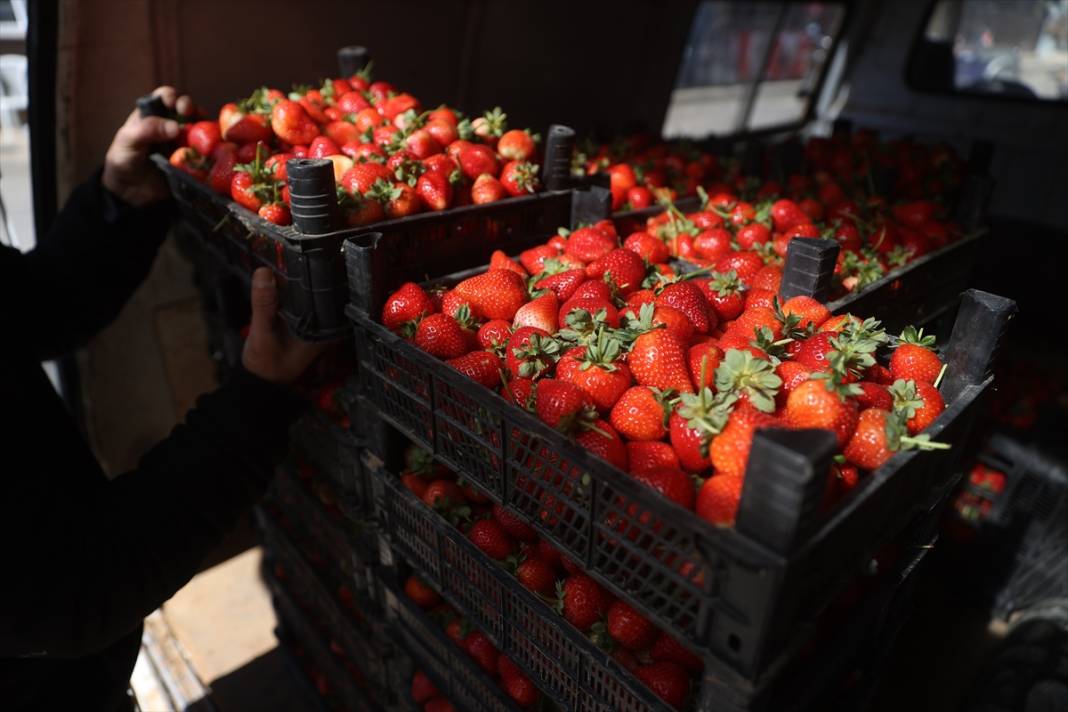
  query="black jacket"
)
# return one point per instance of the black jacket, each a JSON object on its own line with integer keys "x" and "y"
{"x": 85, "y": 559}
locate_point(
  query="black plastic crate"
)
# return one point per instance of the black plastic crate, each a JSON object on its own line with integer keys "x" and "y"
{"x": 578, "y": 675}
{"x": 1030, "y": 522}
{"x": 457, "y": 677}
{"x": 356, "y": 669}
{"x": 310, "y": 270}
{"x": 743, "y": 594}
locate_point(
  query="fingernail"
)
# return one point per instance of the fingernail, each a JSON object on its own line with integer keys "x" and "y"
{"x": 262, "y": 279}
{"x": 170, "y": 129}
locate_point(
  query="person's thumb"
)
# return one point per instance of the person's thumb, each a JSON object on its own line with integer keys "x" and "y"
{"x": 264, "y": 298}
{"x": 151, "y": 130}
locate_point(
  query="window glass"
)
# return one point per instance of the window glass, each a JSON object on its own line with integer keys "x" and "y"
{"x": 1017, "y": 49}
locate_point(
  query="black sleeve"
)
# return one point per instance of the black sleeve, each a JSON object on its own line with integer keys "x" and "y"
{"x": 96, "y": 566}
{"x": 97, "y": 252}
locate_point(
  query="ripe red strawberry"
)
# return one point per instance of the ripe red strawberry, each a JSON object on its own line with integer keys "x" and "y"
{"x": 675, "y": 323}
{"x": 918, "y": 402}
{"x": 561, "y": 405}
{"x": 725, "y": 294}
{"x": 785, "y": 214}
{"x": 513, "y": 525}
{"x": 530, "y": 352}
{"x": 416, "y": 484}
{"x": 752, "y": 235}
{"x": 589, "y": 244}
{"x": 599, "y": 308}
{"x": 476, "y": 159}
{"x": 813, "y": 351}
{"x": 641, "y": 413}
{"x": 480, "y": 366}
{"x": 540, "y": 313}
{"x": 667, "y": 648}
{"x": 496, "y": 294}
{"x": 443, "y": 493}
{"x": 869, "y": 447}
{"x": 639, "y": 197}
{"x": 651, "y": 249}
{"x": 674, "y": 484}
{"x": 487, "y": 189}
{"x": 704, "y": 359}
{"x": 597, "y": 369}
{"x": 562, "y": 284}
{"x": 442, "y": 336}
{"x": 688, "y": 298}
{"x": 519, "y": 178}
{"x": 630, "y": 628}
{"x": 820, "y": 403}
{"x": 533, "y": 260}
{"x": 291, "y": 123}
{"x": 659, "y": 360}
{"x": 769, "y": 278}
{"x": 730, "y": 449}
{"x": 276, "y": 213}
{"x": 421, "y": 594}
{"x": 434, "y": 190}
{"x": 622, "y": 268}
{"x": 792, "y": 374}
{"x": 422, "y": 688}
{"x": 650, "y": 455}
{"x": 538, "y": 576}
{"x": 760, "y": 298}
{"x": 516, "y": 684}
{"x": 363, "y": 176}
{"x": 712, "y": 244}
{"x": 752, "y": 319}
{"x": 593, "y": 289}
{"x": 808, "y": 310}
{"x": 479, "y": 647}
{"x": 717, "y": 501}
{"x": 438, "y": 704}
{"x": 499, "y": 260}
{"x": 602, "y": 440}
{"x": 516, "y": 145}
{"x": 744, "y": 264}
{"x": 874, "y": 395}
{"x": 626, "y": 659}
{"x": 494, "y": 334}
{"x": 489, "y": 536}
{"x": 583, "y": 601}
{"x": 914, "y": 359}
{"x": 621, "y": 180}
{"x": 670, "y": 681}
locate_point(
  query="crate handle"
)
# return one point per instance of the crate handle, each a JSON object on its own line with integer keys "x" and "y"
{"x": 312, "y": 195}
{"x": 556, "y": 168}
{"x": 977, "y": 332}
{"x": 152, "y": 105}
{"x": 590, "y": 205}
{"x": 784, "y": 486}
{"x": 359, "y": 255}
{"x": 809, "y": 268}
{"x": 351, "y": 59}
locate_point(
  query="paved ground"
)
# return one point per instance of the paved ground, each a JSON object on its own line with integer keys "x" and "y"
{"x": 15, "y": 188}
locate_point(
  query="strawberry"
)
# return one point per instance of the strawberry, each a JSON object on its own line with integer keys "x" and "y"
{"x": 476, "y": 159}
{"x": 443, "y": 493}
{"x": 399, "y": 199}
{"x": 718, "y": 498}
{"x": 839, "y": 322}
{"x": 659, "y": 360}
{"x": 730, "y": 449}
{"x": 649, "y": 455}
{"x": 244, "y": 123}
{"x": 641, "y": 413}
{"x": 487, "y": 189}
{"x": 421, "y": 594}
{"x": 874, "y": 395}
{"x": 540, "y": 313}
{"x": 757, "y": 297}
{"x": 651, "y": 249}
{"x": 561, "y": 405}
{"x": 597, "y": 310}
{"x": 589, "y": 244}
{"x": 752, "y": 319}
{"x": 704, "y": 359}
{"x": 438, "y": 704}
{"x": 602, "y": 440}
{"x": 361, "y": 178}
{"x": 414, "y": 484}
{"x": 323, "y": 147}
{"x": 489, "y": 536}
{"x": 785, "y": 214}
{"x": 222, "y": 169}
{"x": 204, "y": 136}
{"x": 291, "y": 123}
{"x": 276, "y": 213}
{"x": 792, "y": 374}
{"x": 918, "y": 402}
{"x": 519, "y": 178}
{"x": 622, "y": 269}
{"x": 670, "y": 681}
{"x": 530, "y": 352}
{"x": 625, "y": 658}
{"x": 825, "y": 404}
{"x": 639, "y": 197}
{"x": 913, "y": 358}
{"x": 442, "y": 336}
{"x": 744, "y": 264}
{"x": 538, "y": 576}
{"x": 481, "y": 650}
{"x": 688, "y": 298}
{"x": 513, "y": 525}
{"x": 593, "y": 289}
{"x": 675, "y": 323}
{"x": 598, "y": 370}
{"x": 519, "y": 391}
{"x": 534, "y": 259}
{"x": 562, "y": 284}
{"x": 496, "y": 294}
{"x": 697, "y": 420}
{"x": 443, "y": 164}
{"x": 813, "y": 351}
{"x": 768, "y": 277}
{"x": 582, "y": 601}
{"x": 879, "y": 434}
{"x": 480, "y": 366}
{"x": 516, "y": 145}
{"x": 517, "y": 685}
{"x": 752, "y": 235}
{"x": 630, "y": 628}
{"x": 751, "y": 380}
{"x": 422, "y": 688}
{"x": 494, "y": 334}
{"x": 671, "y": 483}
{"x": 712, "y": 244}
{"x": 667, "y": 648}
{"x": 499, "y": 260}
{"x": 809, "y": 311}
{"x": 621, "y": 180}
{"x": 434, "y": 190}
{"x": 725, "y": 294}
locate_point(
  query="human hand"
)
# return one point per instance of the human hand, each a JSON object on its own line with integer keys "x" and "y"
{"x": 271, "y": 352}
{"x": 127, "y": 171}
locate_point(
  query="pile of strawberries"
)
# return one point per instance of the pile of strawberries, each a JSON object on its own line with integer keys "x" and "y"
{"x": 668, "y": 376}
{"x": 653, "y": 656}
{"x": 391, "y": 158}
{"x": 473, "y": 642}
